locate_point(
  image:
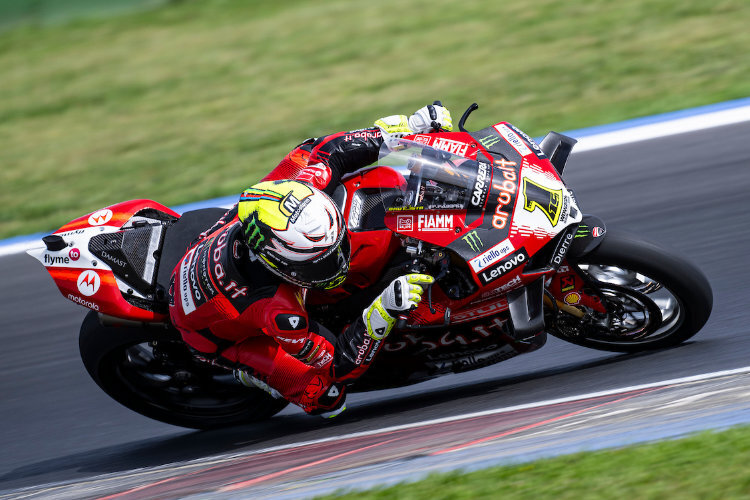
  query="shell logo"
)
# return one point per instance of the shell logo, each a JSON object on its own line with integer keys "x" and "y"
{"x": 100, "y": 217}
{"x": 88, "y": 283}
{"x": 572, "y": 298}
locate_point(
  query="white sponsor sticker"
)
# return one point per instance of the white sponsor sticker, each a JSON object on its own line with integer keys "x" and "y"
{"x": 438, "y": 222}
{"x": 100, "y": 217}
{"x": 513, "y": 139}
{"x": 492, "y": 255}
{"x": 88, "y": 283}
{"x": 453, "y": 147}
{"x": 186, "y": 295}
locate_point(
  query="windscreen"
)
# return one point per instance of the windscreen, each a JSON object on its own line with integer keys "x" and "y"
{"x": 435, "y": 179}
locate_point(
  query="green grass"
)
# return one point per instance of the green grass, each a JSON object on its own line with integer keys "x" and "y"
{"x": 200, "y": 98}
{"x": 705, "y": 466}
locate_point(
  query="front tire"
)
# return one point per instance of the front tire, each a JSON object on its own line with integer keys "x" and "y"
{"x": 151, "y": 371}
{"x": 654, "y": 298}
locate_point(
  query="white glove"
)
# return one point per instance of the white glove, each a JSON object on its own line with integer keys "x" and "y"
{"x": 419, "y": 123}
{"x": 402, "y": 294}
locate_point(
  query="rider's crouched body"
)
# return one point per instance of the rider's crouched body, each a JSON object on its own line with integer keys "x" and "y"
{"x": 238, "y": 294}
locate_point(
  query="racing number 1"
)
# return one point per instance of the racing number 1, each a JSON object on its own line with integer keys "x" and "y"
{"x": 549, "y": 201}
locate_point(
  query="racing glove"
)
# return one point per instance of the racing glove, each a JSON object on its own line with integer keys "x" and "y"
{"x": 426, "y": 119}
{"x": 401, "y": 295}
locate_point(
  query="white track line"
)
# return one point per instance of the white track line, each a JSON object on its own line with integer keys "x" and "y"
{"x": 220, "y": 459}
{"x": 496, "y": 411}
{"x": 663, "y": 129}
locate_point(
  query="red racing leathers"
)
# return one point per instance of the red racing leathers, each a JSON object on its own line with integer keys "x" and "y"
{"x": 232, "y": 308}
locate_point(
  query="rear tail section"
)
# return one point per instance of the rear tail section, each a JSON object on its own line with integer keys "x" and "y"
{"x": 108, "y": 260}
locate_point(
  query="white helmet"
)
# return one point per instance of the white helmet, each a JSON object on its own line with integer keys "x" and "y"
{"x": 297, "y": 231}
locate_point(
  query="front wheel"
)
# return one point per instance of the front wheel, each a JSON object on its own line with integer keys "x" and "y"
{"x": 640, "y": 297}
{"x": 151, "y": 371}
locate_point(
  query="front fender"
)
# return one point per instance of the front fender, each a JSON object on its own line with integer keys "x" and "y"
{"x": 588, "y": 236}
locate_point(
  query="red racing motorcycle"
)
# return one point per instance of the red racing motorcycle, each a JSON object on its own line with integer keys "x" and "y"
{"x": 486, "y": 213}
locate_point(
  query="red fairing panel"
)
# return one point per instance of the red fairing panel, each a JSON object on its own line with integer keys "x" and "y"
{"x": 114, "y": 216}
{"x": 82, "y": 277}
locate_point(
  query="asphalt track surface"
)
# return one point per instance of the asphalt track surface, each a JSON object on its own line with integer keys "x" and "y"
{"x": 688, "y": 192}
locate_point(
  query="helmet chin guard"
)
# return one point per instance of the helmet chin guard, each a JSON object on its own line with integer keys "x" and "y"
{"x": 297, "y": 232}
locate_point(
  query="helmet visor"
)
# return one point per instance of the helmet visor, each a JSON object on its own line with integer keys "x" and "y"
{"x": 327, "y": 271}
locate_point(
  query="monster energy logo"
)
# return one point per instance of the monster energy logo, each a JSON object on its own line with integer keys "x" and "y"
{"x": 253, "y": 234}
{"x": 582, "y": 231}
{"x": 489, "y": 141}
{"x": 474, "y": 241}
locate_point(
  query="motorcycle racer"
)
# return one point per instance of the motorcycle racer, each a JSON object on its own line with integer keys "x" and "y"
{"x": 238, "y": 294}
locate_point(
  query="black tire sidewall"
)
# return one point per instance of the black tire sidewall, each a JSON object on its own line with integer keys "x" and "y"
{"x": 682, "y": 277}
{"x": 98, "y": 343}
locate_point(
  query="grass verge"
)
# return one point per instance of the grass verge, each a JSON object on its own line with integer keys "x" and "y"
{"x": 200, "y": 98}
{"x": 704, "y": 466}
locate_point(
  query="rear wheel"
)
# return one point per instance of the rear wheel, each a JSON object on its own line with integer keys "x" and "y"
{"x": 151, "y": 371}
{"x": 652, "y": 297}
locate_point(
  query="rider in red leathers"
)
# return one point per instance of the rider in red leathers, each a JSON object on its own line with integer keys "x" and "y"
{"x": 238, "y": 294}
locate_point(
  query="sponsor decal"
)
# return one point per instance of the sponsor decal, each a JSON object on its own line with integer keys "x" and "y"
{"x": 423, "y": 139}
{"x": 530, "y": 141}
{"x": 597, "y": 232}
{"x": 479, "y": 192}
{"x": 355, "y": 211}
{"x": 432, "y": 222}
{"x": 291, "y": 341}
{"x": 503, "y": 288}
{"x": 100, "y": 217}
{"x": 572, "y": 298}
{"x": 512, "y": 138}
{"x": 492, "y": 255}
{"x": 297, "y": 211}
{"x": 83, "y": 302}
{"x": 504, "y": 267}
{"x": 549, "y": 201}
{"x": 507, "y": 189}
{"x": 374, "y": 350}
{"x": 289, "y": 204}
{"x": 563, "y": 249}
{"x": 186, "y": 297}
{"x": 564, "y": 211}
{"x": 362, "y": 350}
{"x": 88, "y": 283}
{"x": 454, "y": 147}
{"x": 252, "y": 233}
{"x": 474, "y": 241}
{"x": 567, "y": 283}
{"x": 75, "y": 231}
{"x": 333, "y": 391}
{"x": 324, "y": 360}
{"x": 489, "y": 141}
{"x": 405, "y": 223}
{"x": 74, "y": 254}
{"x": 362, "y": 134}
{"x": 51, "y": 260}
{"x": 479, "y": 312}
{"x": 114, "y": 260}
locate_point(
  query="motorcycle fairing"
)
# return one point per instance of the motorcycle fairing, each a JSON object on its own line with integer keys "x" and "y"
{"x": 97, "y": 269}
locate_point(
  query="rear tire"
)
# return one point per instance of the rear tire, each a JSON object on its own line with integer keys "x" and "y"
{"x": 151, "y": 371}
{"x": 688, "y": 308}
